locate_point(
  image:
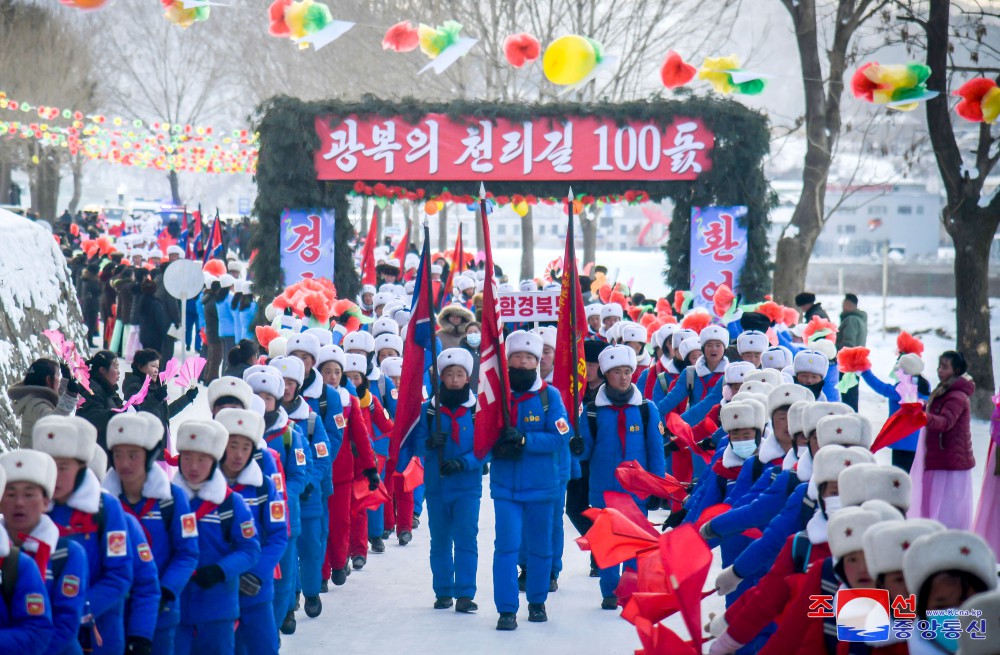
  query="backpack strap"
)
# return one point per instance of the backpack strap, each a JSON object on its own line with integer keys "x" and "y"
{"x": 807, "y": 510}
{"x": 286, "y": 438}
{"x": 8, "y": 569}
{"x": 644, "y": 414}
{"x": 689, "y": 374}
{"x": 167, "y": 507}
{"x": 662, "y": 379}
{"x": 592, "y": 419}
{"x": 226, "y": 512}
{"x": 758, "y": 468}
{"x": 381, "y": 388}
{"x": 323, "y": 403}
{"x": 58, "y": 559}
{"x": 801, "y": 549}
{"x": 543, "y": 395}
{"x": 722, "y": 483}
{"x": 311, "y": 426}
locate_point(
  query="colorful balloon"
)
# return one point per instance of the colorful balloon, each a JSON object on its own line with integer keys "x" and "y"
{"x": 675, "y": 72}
{"x": 898, "y": 86}
{"x": 720, "y": 71}
{"x": 569, "y": 59}
{"x": 401, "y": 37}
{"x": 980, "y": 100}
{"x": 434, "y": 41}
{"x": 521, "y": 49}
{"x": 176, "y": 13}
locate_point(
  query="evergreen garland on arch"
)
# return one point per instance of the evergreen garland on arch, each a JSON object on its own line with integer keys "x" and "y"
{"x": 286, "y": 176}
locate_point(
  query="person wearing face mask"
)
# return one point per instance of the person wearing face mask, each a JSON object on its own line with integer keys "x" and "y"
{"x": 228, "y": 545}
{"x": 524, "y": 481}
{"x": 93, "y": 519}
{"x": 810, "y": 367}
{"x": 828, "y": 350}
{"x": 746, "y": 621}
{"x": 453, "y": 478}
{"x": 944, "y": 570}
{"x": 621, "y": 426}
{"x": 61, "y": 564}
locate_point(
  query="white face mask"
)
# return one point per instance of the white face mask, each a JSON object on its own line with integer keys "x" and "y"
{"x": 474, "y": 339}
{"x": 831, "y": 505}
{"x": 743, "y": 449}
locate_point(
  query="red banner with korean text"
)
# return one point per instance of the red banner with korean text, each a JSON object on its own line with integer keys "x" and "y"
{"x": 439, "y": 146}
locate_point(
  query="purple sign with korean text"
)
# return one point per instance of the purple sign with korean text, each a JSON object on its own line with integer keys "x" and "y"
{"x": 307, "y": 244}
{"x": 718, "y": 250}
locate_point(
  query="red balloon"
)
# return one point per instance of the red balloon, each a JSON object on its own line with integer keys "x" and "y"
{"x": 401, "y": 37}
{"x": 675, "y": 72}
{"x": 521, "y": 49}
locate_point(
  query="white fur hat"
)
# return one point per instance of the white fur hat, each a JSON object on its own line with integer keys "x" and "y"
{"x": 461, "y": 282}
{"x": 506, "y": 287}
{"x": 714, "y": 333}
{"x": 391, "y": 367}
{"x": 356, "y": 364}
{"x": 610, "y": 310}
{"x": 29, "y": 466}
{"x": 527, "y": 285}
{"x": 226, "y": 280}
{"x": 796, "y": 412}
{"x": 678, "y": 337}
{"x": 844, "y": 429}
{"x": 209, "y": 437}
{"x": 382, "y": 298}
{"x": 548, "y": 335}
{"x": 390, "y": 341}
{"x": 768, "y": 376}
{"x": 323, "y": 336}
{"x": 270, "y": 312}
{"x": 455, "y": 357}
{"x": 243, "y": 423}
{"x": 436, "y": 269}
{"x": 359, "y": 340}
{"x": 663, "y": 333}
{"x": 401, "y": 316}
{"x": 305, "y": 342}
{"x": 751, "y": 341}
{"x": 757, "y": 387}
{"x": 747, "y": 413}
{"x": 632, "y": 332}
{"x": 291, "y": 368}
{"x": 816, "y": 411}
{"x": 524, "y": 342}
{"x": 853, "y": 482}
{"x": 391, "y": 308}
{"x": 412, "y": 260}
{"x": 830, "y": 461}
{"x": 846, "y": 530}
{"x": 134, "y": 430}
{"x": 910, "y": 363}
{"x": 945, "y": 551}
{"x": 368, "y": 288}
{"x": 277, "y": 347}
{"x": 615, "y": 356}
{"x": 269, "y": 381}
{"x": 99, "y": 464}
{"x": 784, "y": 396}
{"x": 255, "y": 368}
{"x": 229, "y": 386}
{"x": 987, "y": 605}
{"x": 826, "y": 347}
{"x": 886, "y": 483}
{"x": 385, "y": 325}
{"x": 777, "y": 357}
{"x": 331, "y": 354}
{"x": 811, "y": 361}
{"x": 882, "y": 508}
{"x": 593, "y": 309}
{"x": 611, "y": 333}
{"x": 64, "y": 436}
{"x": 736, "y": 372}
{"x": 692, "y": 343}
{"x": 175, "y": 250}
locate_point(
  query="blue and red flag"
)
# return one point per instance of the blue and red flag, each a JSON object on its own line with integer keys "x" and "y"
{"x": 196, "y": 232}
{"x": 214, "y": 249}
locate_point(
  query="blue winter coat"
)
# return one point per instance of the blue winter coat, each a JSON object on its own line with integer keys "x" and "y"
{"x": 757, "y": 510}
{"x": 26, "y": 624}
{"x": 706, "y": 392}
{"x": 458, "y": 485}
{"x": 270, "y": 515}
{"x": 830, "y": 389}
{"x": 889, "y": 391}
{"x": 760, "y": 554}
{"x": 244, "y": 319}
{"x": 295, "y": 462}
{"x": 326, "y": 402}
{"x": 227, "y": 318}
{"x": 319, "y": 463}
{"x": 143, "y": 602}
{"x": 606, "y": 450}
{"x": 533, "y": 477}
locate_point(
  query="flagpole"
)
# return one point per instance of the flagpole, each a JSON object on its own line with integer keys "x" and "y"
{"x": 435, "y": 383}
{"x": 504, "y": 391}
{"x": 571, "y": 295}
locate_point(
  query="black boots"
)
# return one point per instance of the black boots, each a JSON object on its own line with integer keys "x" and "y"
{"x": 536, "y": 613}
{"x": 288, "y": 625}
{"x": 507, "y": 621}
{"x": 442, "y": 602}
{"x": 358, "y": 562}
{"x": 466, "y": 606}
{"x": 405, "y": 538}
{"x": 609, "y": 603}
{"x": 378, "y": 546}
{"x": 313, "y": 606}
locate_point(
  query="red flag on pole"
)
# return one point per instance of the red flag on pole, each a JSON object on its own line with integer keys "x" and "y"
{"x": 571, "y": 331}
{"x": 400, "y": 253}
{"x": 493, "y": 413}
{"x": 457, "y": 261}
{"x": 368, "y": 254}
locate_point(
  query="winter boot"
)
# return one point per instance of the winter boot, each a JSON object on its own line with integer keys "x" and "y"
{"x": 313, "y": 606}
{"x": 536, "y": 613}
{"x": 416, "y": 521}
{"x": 378, "y": 546}
{"x": 405, "y": 538}
{"x": 288, "y": 625}
{"x": 522, "y": 580}
{"x": 466, "y": 606}
{"x": 324, "y": 586}
{"x": 358, "y": 562}
{"x": 338, "y": 577}
{"x": 609, "y": 603}
{"x": 347, "y": 569}
{"x": 507, "y": 621}
{"x": 386, "y": 534}
{"x": 553, "y": 585}
{"x": 442, "y": 602}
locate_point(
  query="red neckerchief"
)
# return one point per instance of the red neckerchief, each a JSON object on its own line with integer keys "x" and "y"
{"x": 708, "y": 386}
{"x": 41, "y": 556}
{"x": 79, "y": 523}
{"x": 207, "y": 507}
{"x": 459, "y": 413}
{"x": 622, "y": 423}
{"x": 728, "y": 473}
{"x": 147, "y": 507}
{"x": 516, "y": 402}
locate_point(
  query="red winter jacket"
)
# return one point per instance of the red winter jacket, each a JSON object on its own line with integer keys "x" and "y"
{"x": 949, "y": 436}
{"x": 360, "y": 446}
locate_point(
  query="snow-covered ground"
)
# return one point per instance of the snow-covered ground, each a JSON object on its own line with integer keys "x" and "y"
{"x": 387, "y": 605}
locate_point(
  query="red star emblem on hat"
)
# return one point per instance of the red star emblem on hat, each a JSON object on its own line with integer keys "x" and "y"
{"x": 895, "y": 484}
{"x": 51, "y": 436}
{"x": 736, "y": 416}
{"x": 964, "y": 550}
{"x": 787, "y": 394}
{"x": 232, "y": 384}
{"x": 848, "y": 532}
{"x": 840, "y": 430}
{"x": 239, "y": 422}
{"x": 906, "y": 544}
{"x": 120, "y": 430}
{"x": 847, "y": 462}
{"x": 19, "y": 464}
{"x": 193, "y": 436}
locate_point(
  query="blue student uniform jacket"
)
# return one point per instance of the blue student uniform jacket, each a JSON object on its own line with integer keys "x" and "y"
{"x": 227, "y": 318}
{"x": 143, "y": 604}
{"x": 705, "y": 396}
{"x": 889, "y": 391}
{"x": 761, "y": 553}
{"x": 270, "y": 515}
{"x": 607, "y": 449}
{"x": 449, "y": 488}
{"x": 318, "y": 394}
{"x": 294, "y": 461}
{"x": 319, "y": 465}
{"x": 830, "y": 389}
{"x": 757, "y": 509}
{"x": 533, "y": 477}
{"x": 235, "y": 551}
{"x": 174, "y": 551}
{"x": 25, "y": 625}
{"x": 110, "y": 567}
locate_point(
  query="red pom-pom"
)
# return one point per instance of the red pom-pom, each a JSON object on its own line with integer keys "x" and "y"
{"x": 675, "y": 72}
{"x": 789, "y": 316}
{"x": 722, "y": 300}
{"x": 651, "y": 328}
{"x": 663, "y": 309}
{"x": 215, "y": 267}
{"x": 853, "y": 360}
{"x": 265, "y": 335}
{"x": 975, "y": 89}
{"x": 521, "y": 49}
{"x": 861, "y": 86}
{"x": 318, "y": 305}
{"x": 604, "y": 293}
{"x": 401, "y": 37}
{"x": 276, "y": 14}
{"x": 818, "y": 324}
{"x": 618, "y": 298}
{"x": 772, "y": 311}
{"x": 633, "y": 313}
{"x": 646, "y": 319}
{"x": 970, "y": 111}
{"x": 678, "y": 302}
{"x": 696, "y": 321}
{"x": 906, "y": 343}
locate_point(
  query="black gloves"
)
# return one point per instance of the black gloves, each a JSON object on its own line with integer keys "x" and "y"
{"x": 510, "y": 445}
{"x": 64, "y": 370}
{"x": 654, "y": 503}
{"x": 675, "y": 519}
{"x": 576, "y": 445}
{"x": 73, "y": 387}
{"x": 158, "y": 391}
{"x": 167, "y": 596}
{"x": 191, "y": 394}
{"x": 706, "y": 444}
{"x": 249, "y": 584}
{"x": 670, "y": 446}
{"x": 306, "y": 493}
{"x": 452, "y": 466}
{"x": 138, "y": 646}
{"x": 210, "y": 575}
{"x": 436, "y": 440}
{"x": 373, "y": 479}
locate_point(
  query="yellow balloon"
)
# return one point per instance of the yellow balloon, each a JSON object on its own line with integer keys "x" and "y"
{"x": 568, "y": 60}
{"x": 991, "y": 105}
{"x": 521, "y": 208}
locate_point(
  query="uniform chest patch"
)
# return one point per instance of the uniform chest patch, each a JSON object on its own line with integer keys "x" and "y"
{"x": 248, "y": 530}
{"x": 145, "y": 554}
{"x": 300, "y": 457}
{"x": 117, "y": 543}
{"x": 189, "y": 525}
{"x": 562, "y": 426}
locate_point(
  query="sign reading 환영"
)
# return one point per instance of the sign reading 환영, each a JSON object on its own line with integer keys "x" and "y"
{"x": 441, "y": 147}
{"x": 529, "y": 306}
{"x": 307, "y": 244}
{"x": 718, "y": 250}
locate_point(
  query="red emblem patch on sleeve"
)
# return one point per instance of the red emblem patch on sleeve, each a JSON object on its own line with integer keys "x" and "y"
{"x": 300, "y": 457}
{"x": 562, "y": 426}
{"x": 70, "y": 586}
{"x": 116, "y": 543}
{"x": 322, "y": 450}
{"x": 277, "y": 511}
{"x": 339, "y": 421}
{"x": 248, "y": 530}
{"x": 279, "y": 482}
{"x": 145, "y": 554}
{"x": 35, "y": 604}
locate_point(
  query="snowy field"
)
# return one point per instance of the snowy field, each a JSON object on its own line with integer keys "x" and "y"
{"x": 387, "y": 605}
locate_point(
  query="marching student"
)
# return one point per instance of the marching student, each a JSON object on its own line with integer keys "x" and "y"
{"x": 943, "y": 570}
{"x": 592, "y": 313}
{"x": 228, "y": 545}
{"x": 33, "y": 621}
{"x": 809, "y": 367}
{"x": 663, "y": 355}
{"x": 886, "y": 544}
{"x": 256, "y": 633}
{"x": 453, "y": 477}
{"x": 620, "y": 426}
{"x": 546, "y": 365}
{"x": 611, "y": 314}
{"x": 524, "y": 481}
{"x": 679, "y": 360}
{"x": 633, "y": 335}
{"x": 93, "y": 519}
{"x": 160, "y": 507}
{"x": 703, "y": 380}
